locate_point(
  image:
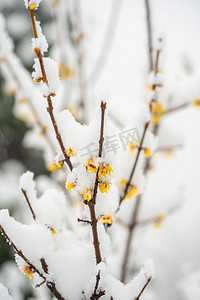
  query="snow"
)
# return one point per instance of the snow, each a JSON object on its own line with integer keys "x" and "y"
{"x": 52, "y": 74}
{"x": 40, "y": 42}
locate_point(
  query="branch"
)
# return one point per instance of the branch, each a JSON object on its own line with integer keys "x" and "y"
{"x": 176, "y": 108}
{"x": 50, "y": 106}
{"x": 95, "y": 295}
{"x": 107, "y": 42}
{"x": 50, "y": 285}
{"x": 139, "y": 197}
{"x": 149, "y": 31}
{"x": 92, "y": 202}
{"x": 84, "y": 221}
{"x": 139, "y": 149}
{"x": 80, "y": 57}
{"x": 28, "y": 202}
{"x": 144, "y": 287}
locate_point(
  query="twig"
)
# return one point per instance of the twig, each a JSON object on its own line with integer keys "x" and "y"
{"x": 139, "y": 197}
{"x": 50, "y": 106}
{"x": 149, "y": 31}
{"x": 28, "y": 202}
{"x": 80, "y": 57}
{"x": 144, "y": 287}
{"x": 130, "y": 236}
{"x": 107, "y": 42}
{"x": 135, "y": 163}
{"x": 176, "y": 108}
{"x": 84, "y": 221}
{"x": 95, "y": 295}
{"x": 50, "y": 285}
{"x": 92, "y": 202}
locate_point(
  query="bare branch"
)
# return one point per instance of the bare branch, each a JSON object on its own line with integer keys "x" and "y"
{"x": 50, "y": 106}
{"x": 144, "y": 287}
{"x": 149, "y": 31}
{"x": 28, "y": 202}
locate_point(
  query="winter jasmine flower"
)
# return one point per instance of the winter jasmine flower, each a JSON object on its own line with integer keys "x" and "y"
{"x": 87, "y": 194}
{"x": 104, "y": 186}
{"x": 133, "y": 191}
{"x": 105, "y": 169}
{"x": 107, "y": 219}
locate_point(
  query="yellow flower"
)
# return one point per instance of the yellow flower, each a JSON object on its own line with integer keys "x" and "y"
{"x": 196, "y": 102}
{"x": 149, "y": 86}
{"x": 104, "y": 186}
{"x": 133, "y": 191}
{"x": 159, "y": 221}
{"x": 107, "y": 219}
{"x": 147, "y": 152}
{"x": 70, "y": 185}
{"x": 105, "y": 169}
{"x": 52, "y": 167}
{"x": 168, "y": 153}
{"x": 123, "y": 182}
{"x": 132, "y": 146}
{"x": 60, "y": 163}
{"x": 158, "y": 110}
{"x": 43, "y": 130}
{"x": 87, "y": 194}
{"x": 91, "y": 165}
{"x": 70, "y": 152}
{"x": 32, "y": 6}
{"x": 65, "y": 71}
{"x": 23, "y": 100}
{"x": 28, "y": 271}
{"x": 52, "y": 230}
{"x": 10, "y": 90}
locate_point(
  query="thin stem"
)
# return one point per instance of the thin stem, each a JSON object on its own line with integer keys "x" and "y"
{"x": 130, "y": 237}
{"x": 132, "y": 226}
{"x": 149, "y": 31}
{"x": 176, "y": 108}
{"x": 84, "y": 221}
{"x": 139, "y": 149}
{"x": 28, "y": 202}
{"x": 95, "y": 295}
{"x": 50, "y": 105}
{"x": 107, "y": 42}
{"x": 92, "y": 202}
{"x": 144, "y": 287}
{"x": 80, "y": 57}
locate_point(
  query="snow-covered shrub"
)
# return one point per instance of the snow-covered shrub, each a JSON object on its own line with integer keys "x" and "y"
{"x": 78, "y": 238}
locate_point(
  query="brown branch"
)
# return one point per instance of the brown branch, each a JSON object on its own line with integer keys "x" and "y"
{"x": 139, "y": 149}
{"x": 144, "y": 287}
{"x": 80, "y": 57}
{"x": 92, "y": 202}
{"x": 132, "y": 226}
{"x": 109, "y": 36}
{"x": 28, "y": 202}
{"x": 149, "y": 34}
{"x": 49, "y": 101}
{"x": 84, "y": 221}
{"x": 50, "y": 285}
{"x": 95, "y": 295}
{"x": 44, "y": 265}
{"x": 176, "y": 108}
